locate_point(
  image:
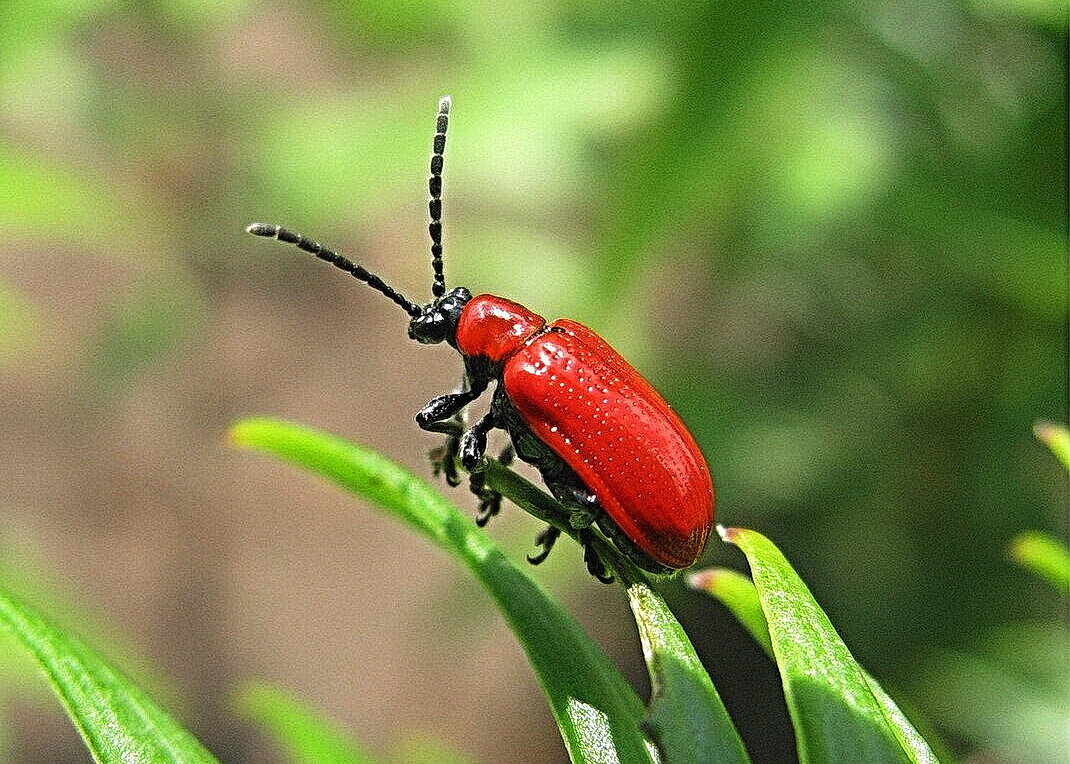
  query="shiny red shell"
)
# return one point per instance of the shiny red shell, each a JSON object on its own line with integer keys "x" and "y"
{"x": 595, "y": 411}
{"x": 495, "y": 327}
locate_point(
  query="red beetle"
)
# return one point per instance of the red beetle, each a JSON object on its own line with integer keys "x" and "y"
{"x": 608, "y": 447}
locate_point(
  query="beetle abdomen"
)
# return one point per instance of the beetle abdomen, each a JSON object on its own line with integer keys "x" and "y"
{"x": 595, "y": 411}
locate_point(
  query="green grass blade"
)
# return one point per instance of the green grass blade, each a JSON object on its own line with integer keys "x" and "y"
{"x": 1057, "y": 438}
{"x": 1045, "y": 555}
{"x": 686, "y": 719}
{"x": 117, "y": 720}
{"x": 298, "y": 729}
{"x": 839, "y": 713}
{"x": 597, "y": 712}
{"x": 737, "y": 593}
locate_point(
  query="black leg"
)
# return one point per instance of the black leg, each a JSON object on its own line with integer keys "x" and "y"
{"x": 474, "y": 442}
{"x": 444, "y": 457}
{"x": 490, "y": 501}
{"x": 546, "y": 539}
{"x": 594, "y": 563}
{"x": 581, "y": 504}
{"x": 438, "y": 414}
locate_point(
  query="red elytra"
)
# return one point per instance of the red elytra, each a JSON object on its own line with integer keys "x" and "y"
{"x": 608, "y": 446}
{"x": 594, "y": 410}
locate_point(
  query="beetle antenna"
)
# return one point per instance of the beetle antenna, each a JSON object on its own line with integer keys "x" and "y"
{"x": 438, "y": 288}
{"x": 313, "y": 247}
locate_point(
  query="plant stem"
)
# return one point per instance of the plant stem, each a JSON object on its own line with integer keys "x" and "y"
{"x": 541, "y": 505}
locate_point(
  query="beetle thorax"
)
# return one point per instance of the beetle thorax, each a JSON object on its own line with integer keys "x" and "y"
{"x": 495, "y": 328}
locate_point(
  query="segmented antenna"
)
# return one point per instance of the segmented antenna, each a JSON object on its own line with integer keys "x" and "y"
{"x": 278, "y": 232}
{"x": 438, "y": 288}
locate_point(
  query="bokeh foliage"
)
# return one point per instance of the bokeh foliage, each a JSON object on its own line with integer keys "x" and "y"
{"x": 833, "y": 233}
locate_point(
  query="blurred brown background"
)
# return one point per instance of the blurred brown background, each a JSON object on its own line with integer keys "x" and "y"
{"x": 832, "y": 234}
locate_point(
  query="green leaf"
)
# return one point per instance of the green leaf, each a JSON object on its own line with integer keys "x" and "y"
{"x": 597, "y": 712}
{"x": 838, "y": 713}
{"x": 117, "y": 720}
{"x": 737, "y": 593}
{"x": 686, "y": 719}
{"x": 299, "y": 730}
{"x": 26, "y": 576}
{"x": 1057, "y": 438}
{"x": 1045, "y": 555}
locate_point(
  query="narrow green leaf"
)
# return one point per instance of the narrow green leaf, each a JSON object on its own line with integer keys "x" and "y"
{"x": 1045, "y": 555}
{"x": 597, "y": 712}
{"x": 737, "y": 593}
{"x": 838, "y": 714}
{"x": 686, "y": 719}
{"x": 1057, "y": 438}
{"x": 298, "y": 729}
{"x": 117, "y": 720}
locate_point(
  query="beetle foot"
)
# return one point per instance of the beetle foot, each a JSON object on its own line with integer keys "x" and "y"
{"x": 444, "y": 461}
{"x": 594, "y": 563}
{"x": 473, "y": 446}
{"x": 490, "y": 501}
{"x": 546, "y": 539}
{"x": 490, "y": 504}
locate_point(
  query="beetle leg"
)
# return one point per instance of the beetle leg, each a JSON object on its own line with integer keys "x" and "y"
{"x": 474, "y": 442}
{"x": 444, "y": 457}
{"x": 437, "y": 415}
{"x": 581, "y": 503}
{"x": 473, "y": 446}
{"x": 490, "y": 501}
{"x": 585, "y": 508}
{"x": 546, "y": 538}
{"x": 594, "y": 563}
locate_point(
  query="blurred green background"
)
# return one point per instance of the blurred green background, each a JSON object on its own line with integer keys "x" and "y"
{"x": 832, "y": 233}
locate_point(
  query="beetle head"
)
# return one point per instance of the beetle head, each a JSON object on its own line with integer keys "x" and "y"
{"x": 437, "y": 321}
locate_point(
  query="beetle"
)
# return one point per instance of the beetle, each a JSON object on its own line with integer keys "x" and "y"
{"x": 607, "y": 445}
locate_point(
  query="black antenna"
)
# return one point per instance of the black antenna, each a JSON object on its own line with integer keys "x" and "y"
{"x": 438, "y": 288}
{"x": 278, "y": 232}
